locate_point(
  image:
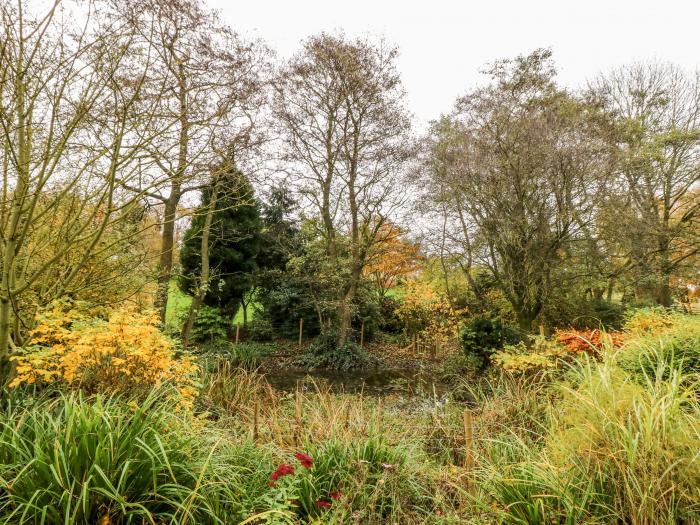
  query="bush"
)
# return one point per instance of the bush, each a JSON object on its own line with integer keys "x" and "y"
{"x": 260, "y": 329}
{"x": 367, "y": 477}
{"x": 655, "y": 337}
{"x": 461, "y": 365}
{"x": 325, "y": 353}
{"x": 242, "y": 355}
{"x": 79, "y": 461}
{"x": 609, "y": 446}
{"x": 482, "y": 336}
{"x": 124, "y": 353}
{"x": 210, "y": 325}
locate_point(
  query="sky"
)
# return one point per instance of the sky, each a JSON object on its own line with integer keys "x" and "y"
{"x": 445, "y": 43}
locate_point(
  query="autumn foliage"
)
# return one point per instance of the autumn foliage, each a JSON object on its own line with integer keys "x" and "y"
{"x": 123, "y": 352}
{"x": 392, "y": 258}
{"x": 589, "y": 342}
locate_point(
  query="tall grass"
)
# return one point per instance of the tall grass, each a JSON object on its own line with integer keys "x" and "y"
{"x": 610, "y": 449}
{"x": 70, "y": 460}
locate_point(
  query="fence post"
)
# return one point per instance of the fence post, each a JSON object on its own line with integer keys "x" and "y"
{"x": 301, "y": 331}
{"x": 362, "y": 335}
{"x": 238, "y": 331}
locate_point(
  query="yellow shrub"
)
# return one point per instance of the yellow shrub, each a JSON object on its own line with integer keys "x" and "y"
{"x": 126, "y": 352}
{"x": 649, "y": 321}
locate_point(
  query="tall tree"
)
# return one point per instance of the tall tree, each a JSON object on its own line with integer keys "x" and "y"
{"x": 219, "y": 251}
{"x": 518, "y": 166}
{"x": 214, "y": 91}
{"x": 656, "y": 107}
{"x": 67, "y": 135}
{"x": 340, "y": 106}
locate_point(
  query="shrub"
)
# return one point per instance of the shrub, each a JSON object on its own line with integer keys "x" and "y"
{"x": 482, "y": 336}
{"x": 79, "y": 461}
{"x": 248, "y": 355}
{"x": 125, "y": 353}
{"x": 367, "y": 478}
{"x": 210, "y": 325}
{"x": 521, "y": 360}
{"x": 260, "y": 329}
{"x": 325, "y": 353}
{"x": 460, "y": 365}
{"x": 610, "y": 447}
{"x": 653, "y": 338}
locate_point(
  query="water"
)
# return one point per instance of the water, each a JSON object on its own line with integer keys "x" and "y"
{"x": 370, "y": 382}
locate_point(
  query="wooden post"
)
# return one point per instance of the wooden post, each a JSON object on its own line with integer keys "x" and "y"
{"x": 301, "y": 330}
{"x": 541, "y": 330}
{"x": 238, "y": 331}
{"x": 415, "y": 343}
{"x": 468, "y": 441}
{"x": 362, "y": 335}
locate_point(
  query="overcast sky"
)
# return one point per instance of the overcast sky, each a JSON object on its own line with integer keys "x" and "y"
{"x": 444, "y": 43}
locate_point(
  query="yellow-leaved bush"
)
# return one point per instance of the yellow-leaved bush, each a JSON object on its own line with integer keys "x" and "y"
{"x": 123, "y": 352}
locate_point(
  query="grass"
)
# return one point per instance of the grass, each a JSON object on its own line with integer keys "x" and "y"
{"x": 179, "y": 303}
{"x": 596, "y": 443}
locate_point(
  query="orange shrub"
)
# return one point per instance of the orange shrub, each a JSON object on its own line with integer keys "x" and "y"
{"x": 126, "y": 352}
{"x": 579, "y": 341}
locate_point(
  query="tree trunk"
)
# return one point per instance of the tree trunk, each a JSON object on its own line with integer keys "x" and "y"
{"x": 346, "y": 312}
{"x": 203, "y": 286}
{"x": 165, "y": 265}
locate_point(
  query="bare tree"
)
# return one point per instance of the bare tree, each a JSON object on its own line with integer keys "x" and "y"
{"x": 215, "y": 88}
{"x": 656, "y": 107}
{"x": 517, "y": 167}
{"x": 339, "y": 103}
{"x": 66, "y": 130}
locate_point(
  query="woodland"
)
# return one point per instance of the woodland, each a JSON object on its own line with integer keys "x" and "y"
{"x": 240, "y": 289}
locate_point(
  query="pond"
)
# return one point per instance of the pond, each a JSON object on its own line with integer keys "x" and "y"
{"x": 379, "y": 382}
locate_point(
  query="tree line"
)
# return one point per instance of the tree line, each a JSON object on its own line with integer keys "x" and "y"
{"x": 304, "y": 181}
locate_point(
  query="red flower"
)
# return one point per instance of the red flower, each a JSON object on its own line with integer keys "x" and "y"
{"x": 304, "y": 459}
{"x": 336, "y": 494}
{"x": 323, "y": 504}
{"x": 282, "y": 470}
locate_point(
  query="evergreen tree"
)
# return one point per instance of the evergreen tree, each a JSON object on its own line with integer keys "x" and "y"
{"x": 234, "y": 243}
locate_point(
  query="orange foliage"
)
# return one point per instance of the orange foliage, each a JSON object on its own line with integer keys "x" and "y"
{"x": 126, "y": 352}
{"x": 578, "y": 342}
{"x": 391, "y": 257}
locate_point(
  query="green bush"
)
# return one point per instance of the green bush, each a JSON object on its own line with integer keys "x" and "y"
{"x": 368, "y": 479}
{"x": 482, "y": 336}
{"x": 325, "y": 353}
{"x": 210, "y": 326}
{"x": 609, "y": 446}
{"x": 260, "y": 329}
{"x": 79, "y": 461}
{"x": 461, "y": 365}
{"x": 673, "y": 340}
{"x": 249, "y": 355}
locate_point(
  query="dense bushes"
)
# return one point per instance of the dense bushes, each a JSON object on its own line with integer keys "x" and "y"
{"x": 618, "y": 437}
{"x": 79, "y": 460}
{"x": 482, "y": 336}
{"x": 659, "y": 337}
{"x": 324, "y": 352}
{"x": 85, "y": 461}
{"x": 247, "y": 355}
{"x": 115, "y": 351}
